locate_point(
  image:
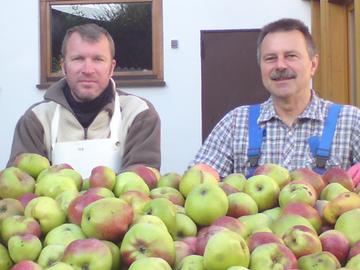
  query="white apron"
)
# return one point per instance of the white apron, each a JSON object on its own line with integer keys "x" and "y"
{"x": 84, "y": 155}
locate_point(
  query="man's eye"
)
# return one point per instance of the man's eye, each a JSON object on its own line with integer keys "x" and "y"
{"x": 270, "y": 58}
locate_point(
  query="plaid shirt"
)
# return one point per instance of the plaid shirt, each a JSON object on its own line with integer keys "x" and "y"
{"x": 225, "y": 149}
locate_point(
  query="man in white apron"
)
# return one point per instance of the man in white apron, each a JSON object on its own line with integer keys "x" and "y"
{"x": 84, "y": 120}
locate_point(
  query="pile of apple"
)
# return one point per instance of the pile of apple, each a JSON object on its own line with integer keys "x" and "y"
{"x": 52, "y": 218}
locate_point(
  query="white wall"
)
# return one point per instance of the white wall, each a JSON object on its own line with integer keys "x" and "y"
{"x": 178, "y": 103}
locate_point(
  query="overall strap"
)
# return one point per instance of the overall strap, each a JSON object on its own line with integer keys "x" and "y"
{"x": 324, "y": 147}
{"x": 255, "y": 138}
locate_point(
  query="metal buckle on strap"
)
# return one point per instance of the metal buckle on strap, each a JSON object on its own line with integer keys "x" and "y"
{"x": 254, "y": 161}
{"x": 321, "y": 161}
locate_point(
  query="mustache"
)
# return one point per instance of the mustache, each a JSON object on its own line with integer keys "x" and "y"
{"x": 282, "y": 74}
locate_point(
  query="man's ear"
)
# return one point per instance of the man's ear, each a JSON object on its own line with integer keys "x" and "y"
{"x": 314, "y": 64}
{"x": 63, "y": 68}
{"x": 113, "y": 65}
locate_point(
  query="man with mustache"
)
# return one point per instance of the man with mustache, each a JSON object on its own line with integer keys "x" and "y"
{"x": 84, "y": 120}
{"x": 287, "y": 129}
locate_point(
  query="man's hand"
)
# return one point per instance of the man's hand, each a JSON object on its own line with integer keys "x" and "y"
{"x": 354, "y": 172}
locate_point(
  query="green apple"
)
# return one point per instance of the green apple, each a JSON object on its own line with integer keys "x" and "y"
{"x": 297, "y": 191}
{"x": 51, "y": 185}
{"x": 260, "y": 237}
{"x": 102, "y": 176}
{"x": 107, "y": 219}
{"x": 302, "y": 241}
{"x": 59, "y": 266}
{"x": 24, "y": 247}
{"x": 203, "y": 236}
{"x": 169, "y": 193}
{"x": 136, "y": 199}
{"x": 115, "y": 254}
{"x": 170, "y": 179}
{"x": 10, "y": 207}
{"x": 264, "y": 190}
{"x": 280, "y": 174}
{"x": 88, "y": 253}
{"x": 182, "y": 249}
{"x": 331, "y": 191}
{"x": 31, "y": 163}
{"x": 64, "y": 234}
{"x": 14, "y": 183}
{"x": 285, "y": 222}
{"x": 319, "y": 261}
{"x": 101, "y": 191}
{"x": 126, "y": 181}
{"x": 237, "y": 180}
{"x": 273, "y": 213}
{"x": 150, "y": 219}
{"x": 5, "y": 260}
{"x": 65, "y": 198}
{"x": 225, "y": 249}
{"x": 150, "y": 263}
{"x": 193, "y": 177}
{"x": 255, "y": 222}
{"x": 18, "y": 224}
{"x": 231, "y": 223}
{"x": 165, "y": 210}
{"x": 147, "y": 240}
{"x": 241, "y": 204}
{"x": 191, "y": 262}
{"x": 185, "y": 226}
{"x": 354, "y": 263}
{"x": 46, "y": 211}
{"x": 310, "y": 176}
{"x": 272, "y": 256}
{"x": 204, "y": 197}
{"x": 50, "y": 254}
{"x": 348, "y": 223}
{"x": 237, "y": 268}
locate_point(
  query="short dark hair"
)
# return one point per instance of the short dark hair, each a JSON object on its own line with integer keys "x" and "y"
{"x": 284, "y": 25}
{"x": 88, "y": 31}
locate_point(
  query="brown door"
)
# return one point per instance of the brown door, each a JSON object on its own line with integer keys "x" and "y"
{"x": 230, "y": 74}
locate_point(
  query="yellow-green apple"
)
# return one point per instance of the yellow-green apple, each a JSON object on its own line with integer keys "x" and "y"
{"x": 90, "y": 253}
{"x": 319, "y": 261}
{"x": 102, "y": 176}
{"x": 19, "y": 224}
{"x": 241, "y": 204}
{"x": 285, "y": 222}
{"x": 353, "y": 263}
{"x": 237, "y": 180}
{"x": 170, "y": 179}
{"x": 228, "y": 189}
{"x": 185, "y": 227}
{"x": 107, "y": 219}
{"x": 331, "y": 191}
{"x": 165, "y": 210}
{"x": 24, "y": 199}
{"x": 155, "y": 171}
{"x": 170, "y": 193}
{"x": 348, "y": 223}
{"x": 115, "y": 254}
{"x": 203, "y": 197}
{"x": 297, "y": 191}
{"x": 26, "y": 264}
{"x": 103, "y": 192}
{"x": 64, "y": 234}
{"x": 308, "y": 175}
{"x": 255, "y": 222}
{"x": 225, "y": 249}
{"x": 305, "y": 210}
{"x": 280, "y": 174}
{"x": 24, "y": 247}
{"x": 50, "y": 254}
{"x": 126, "y": 181}
{"x": 149, "y": 176}
{"x": 85, "y": 184}
{"x": 272, "y": 256}
{"x": 260, "y": 238}
{"x": 150, "y": 219}
{"x": 5, "y": 260}
{"x": 52, "y": 184}
{"x": 339, "y": 175}
{"x": 204, "y": 234}
{"x": 302, "y": 240}
{"x": 193, "y": 177}
{"x": 342, "y": 203}
{"x": 150, "y": 263}
{"x": 182, "y": 249}
{"x": 77, "y": 205}
{"x": 10, "y": 207}
{"x": 237, "y": 268}
{"x": 354, "y": 250}
{"x": 336, "y": 243}
{"x": 231, "y": 223}
{"x": 273, "y": 213}
{"x": 59, "y": 266}
{"x": 191, "y": 262}
{"x": 136, "y": 199}
{"x": 31, "y": 163}
{"x": 147, "y": 240}
{"x": 14, "y": 183}
{"x": 207, "y": 169}
{"x": 264, "y": 190}
{"x": 65, "y": 198}
{"x": 46, "y": 211}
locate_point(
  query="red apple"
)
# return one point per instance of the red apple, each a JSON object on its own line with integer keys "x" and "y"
{"x": 102, "y": 176}
{"x": 241, "y": 204}
{"x": 354, "y": 250}
{"x": 208, "y": 169}
{"x": 336, "y": 243}
{"x": 204, "y": 235}
{"x": 231, "y": 223}
{"x": 76, "y": 207}
{"x": 279, "y": 173}
{"x": 260, "y": 238}
{"x": 26, "y": 265}
{"x": 147, "y": 174}
{"x": 309, "y": 176}
{"x": 338, "y": 175}
{"x": 18, "y": 224}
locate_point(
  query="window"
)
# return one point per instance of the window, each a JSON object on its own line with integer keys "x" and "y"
{"x": 136, "y": 27}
